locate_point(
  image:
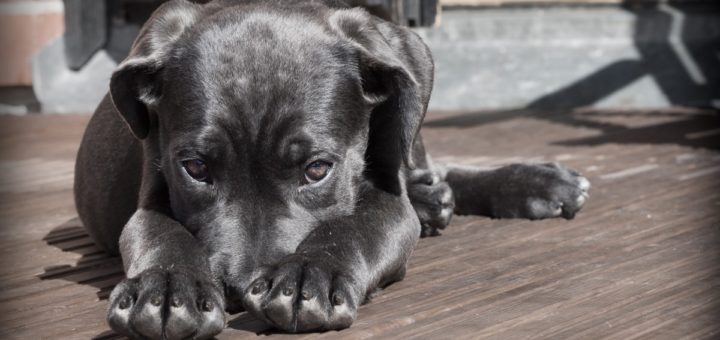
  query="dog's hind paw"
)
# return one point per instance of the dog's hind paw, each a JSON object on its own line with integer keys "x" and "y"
{"x": 166, "y": 304}
{"x": 303, "y": 294}
{"x": 539, "y": 191}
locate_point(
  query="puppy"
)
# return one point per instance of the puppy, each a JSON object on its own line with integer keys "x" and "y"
{"x": 265, "y": 156}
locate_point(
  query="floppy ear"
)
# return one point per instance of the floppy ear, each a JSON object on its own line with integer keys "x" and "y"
{"x": 398, "y": 91}
{"x": 135, "y": 84}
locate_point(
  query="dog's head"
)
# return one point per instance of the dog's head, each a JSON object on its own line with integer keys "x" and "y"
{"x": 264, "y": 123}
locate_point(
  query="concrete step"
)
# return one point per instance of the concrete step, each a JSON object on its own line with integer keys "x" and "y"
{"x": 638, "y": 54}
{"x": 556, "y": 57}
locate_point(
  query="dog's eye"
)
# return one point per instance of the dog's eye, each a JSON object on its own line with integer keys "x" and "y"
{"x": 197, "y": 169}
{"x": 317, "y": 170}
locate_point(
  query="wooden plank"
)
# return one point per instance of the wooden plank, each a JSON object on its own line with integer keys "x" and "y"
{"x": 640, "y": 261}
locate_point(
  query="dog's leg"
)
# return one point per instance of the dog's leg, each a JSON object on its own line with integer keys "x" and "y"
{"x": 169, "y": 292}
{"x": 335, "y": 268}
{"x": 532, "y": 191}
{"x": 108, "y": 174}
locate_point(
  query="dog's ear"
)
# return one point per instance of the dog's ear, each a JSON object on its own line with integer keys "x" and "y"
{"x": 389, "y": 83}
{"x": 135, "y": 84}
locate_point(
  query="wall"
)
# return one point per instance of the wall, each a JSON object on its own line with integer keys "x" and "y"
{"x": 562, "y": 57}
{"x": 25, "y": 27}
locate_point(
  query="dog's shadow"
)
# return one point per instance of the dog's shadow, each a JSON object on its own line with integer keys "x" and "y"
{"x": 97, "y": 269}
{"x": 94, "y": 268}
{"x": 248, "y": 323}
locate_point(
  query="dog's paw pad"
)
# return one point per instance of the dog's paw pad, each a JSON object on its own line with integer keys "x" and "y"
{"x": 302, "y": 294}
{"x": 570, "y": 192}
{"x": 581, "y": 199}
{"x": 540, "y": 191}
{"x": 166, "y": 304}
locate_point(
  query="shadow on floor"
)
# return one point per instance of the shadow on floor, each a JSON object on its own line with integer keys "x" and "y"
{"x": 248, "y": 323}
{"x": 94, "y": 268}
{"x": 97, "y": 269}
{"x": 684, "y": 64}
{"x": 691, "y": 128}
{"x": 677, "y": 49}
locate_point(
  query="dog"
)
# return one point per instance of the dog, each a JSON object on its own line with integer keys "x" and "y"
{"x": 265, "y": 156}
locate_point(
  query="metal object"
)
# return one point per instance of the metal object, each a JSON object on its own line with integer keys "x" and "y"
{"x": 112, "y": 25}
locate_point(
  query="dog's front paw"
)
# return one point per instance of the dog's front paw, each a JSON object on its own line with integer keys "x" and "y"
{"x": 538, "y": 191}
{"x": 166, "y": 304}
{"x": 303, "y": 293}
{"x": 432, "y": 199}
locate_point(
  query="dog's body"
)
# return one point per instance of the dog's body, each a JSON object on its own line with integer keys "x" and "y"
{"x": 263, "y": 155}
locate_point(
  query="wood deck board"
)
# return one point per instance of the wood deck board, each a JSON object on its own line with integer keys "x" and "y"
{"x": 642, "y": 260}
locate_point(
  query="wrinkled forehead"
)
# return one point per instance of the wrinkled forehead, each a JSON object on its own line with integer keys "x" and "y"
{"x": 258, "y": 64}
{"x": 263, "y": 70}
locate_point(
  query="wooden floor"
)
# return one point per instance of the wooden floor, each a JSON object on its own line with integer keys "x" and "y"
{"x": 641, "y": 261}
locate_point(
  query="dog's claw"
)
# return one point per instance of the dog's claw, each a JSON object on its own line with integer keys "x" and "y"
{"x": 207, "y": 306}
{"x": 259, "y": 287}
{"x": 156, "y": 300}
{"x": 176, "y": 302}
{"x": 124, "y": 303}
{"x": 338, "y": 300}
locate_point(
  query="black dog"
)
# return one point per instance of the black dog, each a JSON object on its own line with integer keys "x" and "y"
{"x": 264, "y": 155}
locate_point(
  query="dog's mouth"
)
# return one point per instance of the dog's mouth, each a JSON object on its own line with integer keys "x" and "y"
{"x": 234, "y": 306}
{"x": 233, "y": 300}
